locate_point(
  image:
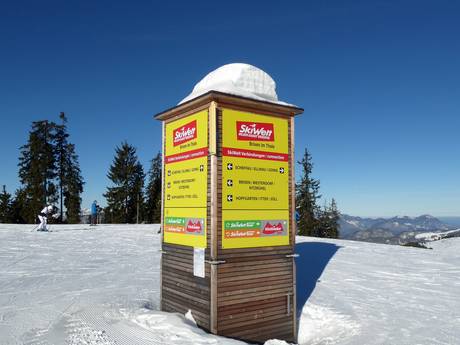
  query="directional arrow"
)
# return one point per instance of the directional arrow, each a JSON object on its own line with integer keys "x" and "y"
{"x": 281, "y": 170}
{"x": 169, "y": 184}
{"x": 230, "y": 198}
{"x": 229, "y": 183}
{"x": 201, "y": 167}
{"x": 169, "y": 197}
{"x": 169, "y": 172}
{"x": 229, "y": 166}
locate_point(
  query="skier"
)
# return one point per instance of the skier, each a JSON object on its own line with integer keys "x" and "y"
{"x": 43, "y": 216}
{"x": 94, "y": 208}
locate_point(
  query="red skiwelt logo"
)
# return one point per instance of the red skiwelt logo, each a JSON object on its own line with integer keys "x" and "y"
{"x": 273, "y": 228}
{"x": 193, "y": 226}
{"x": 185, "y": 133}
{"x": 255, "y": 131}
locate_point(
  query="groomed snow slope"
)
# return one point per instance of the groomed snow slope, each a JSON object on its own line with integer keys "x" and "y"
{"x": 380, "y": 294}
{"x": 78, "y": 285}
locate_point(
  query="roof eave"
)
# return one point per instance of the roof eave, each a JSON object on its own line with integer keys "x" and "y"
{"x": 226, "y": 98}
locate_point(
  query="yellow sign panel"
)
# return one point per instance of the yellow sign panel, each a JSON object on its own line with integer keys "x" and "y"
{"x": 254, "y": 184}
{"x": 250, "y": 131}
{"x": 186, "y": 226}
{"x": 185, "y": 180}
{"x": 255, "y": 180}
{"x": 185, "y": 183}
{"x": 187, "y": 134}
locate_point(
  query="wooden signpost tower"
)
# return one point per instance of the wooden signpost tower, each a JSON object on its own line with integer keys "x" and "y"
{"x": 228, "y": 215}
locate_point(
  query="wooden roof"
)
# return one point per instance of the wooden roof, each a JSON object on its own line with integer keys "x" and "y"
{"x": 224, "y": 98}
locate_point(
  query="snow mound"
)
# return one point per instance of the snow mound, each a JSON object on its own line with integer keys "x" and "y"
{"x": 321, "y": 325}
{"x": 190, "y": 317}
{"x": 275, "y": 342}
{"x": 173, "y": 329}
{"x": 238, "y": 79}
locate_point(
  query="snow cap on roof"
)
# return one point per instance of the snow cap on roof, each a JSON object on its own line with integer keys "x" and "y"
{"x": 238, "y": 79}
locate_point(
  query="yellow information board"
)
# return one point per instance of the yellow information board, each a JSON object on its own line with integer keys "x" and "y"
{"x": 187, "y": 134}
{"x": 185, "y": 183}
{"x": 185, "y": 180}
{"x": 254, "y": 184}
{"x": 186, "y": 226}
{"x": 255, "y": 180}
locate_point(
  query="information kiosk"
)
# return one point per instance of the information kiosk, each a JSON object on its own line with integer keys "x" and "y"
{"x": 228, "y": 208}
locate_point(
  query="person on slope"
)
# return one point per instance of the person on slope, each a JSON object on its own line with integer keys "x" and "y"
{"x": 43, "y": 216}
{"x": 94, "y": 208}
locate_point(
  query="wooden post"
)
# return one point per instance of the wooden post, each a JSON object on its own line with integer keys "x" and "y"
{"x": 214, "y": 210}
{"x": 293, "y": 231}
{"x": 161, "y": 209}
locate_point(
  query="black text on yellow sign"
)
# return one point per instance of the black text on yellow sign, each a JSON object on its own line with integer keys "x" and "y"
{"x": 184, "y": 183}
{"x": 185, "y": 180}
{"x": 254, "y": 184}
{"x": 255, "y": 180}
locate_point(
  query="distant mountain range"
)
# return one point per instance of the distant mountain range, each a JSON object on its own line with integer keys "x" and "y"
{"x": 396, "y": 230}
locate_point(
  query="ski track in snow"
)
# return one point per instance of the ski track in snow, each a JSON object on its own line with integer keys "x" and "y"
{"x": 79, "y": 285}
{"x": 100, "y": 286}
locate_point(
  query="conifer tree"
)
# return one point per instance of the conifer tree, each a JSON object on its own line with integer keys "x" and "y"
{"x": 73, "y": 186}
{"x": 153, "y": 191}
{"x": 328, "y": 223}
{"x": 334, "y": 216}
{"x": 18, "y": 207}
{"x": 307, "y": 194}
{"x": 124, "y": 198}
{"x": 61, "y": 136}
{"x": 5, "y": 206}
{"x": 37, "y": 170}
{"x": 69, "y": 176}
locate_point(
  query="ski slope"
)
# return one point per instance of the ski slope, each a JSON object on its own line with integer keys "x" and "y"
{"x": 100, "y": 286}
{"x": 381, "y": 294}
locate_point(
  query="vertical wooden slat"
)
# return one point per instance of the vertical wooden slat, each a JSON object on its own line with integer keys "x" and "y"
{"x": 163, "y": 127}
{"x": 292, "y": 186}
{"x": 212, "y": 128}
{"x": 293, "y": 230}
{"x": 214, "y": 209}
{"x": 219, "y": 131}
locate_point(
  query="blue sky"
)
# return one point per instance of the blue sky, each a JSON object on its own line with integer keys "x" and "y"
{"x": 379, "y": 81}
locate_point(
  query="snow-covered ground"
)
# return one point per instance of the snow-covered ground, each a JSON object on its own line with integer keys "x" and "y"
{"x": 78, "y": 285}
{"x": 380, "y": 294}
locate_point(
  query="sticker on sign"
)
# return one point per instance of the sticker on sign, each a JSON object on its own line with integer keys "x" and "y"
{"x": 254, "y": 228}
{"x": 192, "y": 226}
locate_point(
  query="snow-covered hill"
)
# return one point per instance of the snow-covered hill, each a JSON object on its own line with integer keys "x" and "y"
{"x": 395, "y": 230}
{"x": 436, "y": 236}
{"x": 395, "y": 225}
{"x": 100, "y": 286}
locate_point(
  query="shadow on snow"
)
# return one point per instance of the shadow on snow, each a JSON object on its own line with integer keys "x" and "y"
{"x": 313, "y": 259}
